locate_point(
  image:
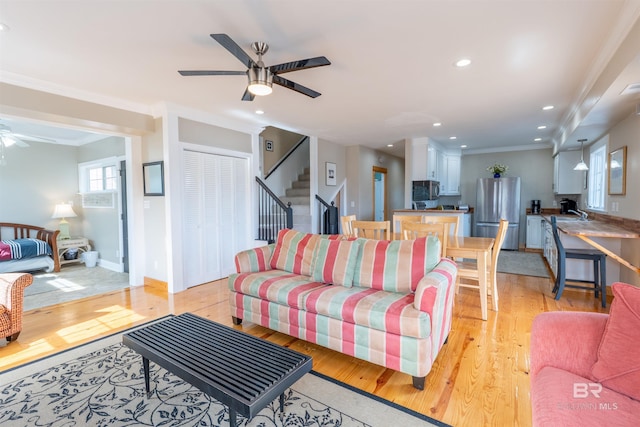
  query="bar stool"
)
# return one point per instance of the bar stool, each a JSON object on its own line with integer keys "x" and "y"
{"x": 599, "y": 259}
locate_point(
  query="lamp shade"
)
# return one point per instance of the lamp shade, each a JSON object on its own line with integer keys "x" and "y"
{"x": 63, "y": 211}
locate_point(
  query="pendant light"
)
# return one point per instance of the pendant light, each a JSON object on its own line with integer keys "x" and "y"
{"x": 581, "y": 166}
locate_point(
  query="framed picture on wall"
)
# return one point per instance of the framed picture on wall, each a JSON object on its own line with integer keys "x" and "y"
{"x": 618, "y": 171}
{"x": 331, "y": 173}
{"x": 153, "y": 177}
{"x": 268, "y": 145}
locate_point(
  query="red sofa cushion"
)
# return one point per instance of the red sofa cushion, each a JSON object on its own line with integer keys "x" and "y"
{"x": 618, "y": 365}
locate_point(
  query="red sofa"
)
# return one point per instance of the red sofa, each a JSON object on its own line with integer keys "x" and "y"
{"x": 585, "y": 367}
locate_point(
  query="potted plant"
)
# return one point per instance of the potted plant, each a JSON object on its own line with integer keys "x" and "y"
{"x": 498, "y": 169}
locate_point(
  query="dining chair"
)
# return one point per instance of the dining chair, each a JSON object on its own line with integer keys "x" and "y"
{"x": 599, "y": 259}
{"x": 469, "y": 270}
{"x": 414, "y": 230}
{"x": 378, "y": 230}
{"x": 397, "y": 219}
{"x": 345, "y": 224}
{"x": 453, "y": 222}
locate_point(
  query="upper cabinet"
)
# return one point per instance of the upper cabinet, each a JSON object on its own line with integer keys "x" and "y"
{"x": 444, "y": 166}
{"x": 565, "y": 179}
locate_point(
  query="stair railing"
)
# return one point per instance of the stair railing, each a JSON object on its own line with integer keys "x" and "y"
{"x": 273, "y": 214}
{"x": 328, "y": 217}
{"x": 286, "y": 156}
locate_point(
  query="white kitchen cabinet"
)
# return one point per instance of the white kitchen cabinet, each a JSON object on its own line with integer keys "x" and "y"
{"x": 419, "y": 156}
{"x": 565, "y": 179}
{"x": 432, "y": 163}
{"x": 451, "y": 175}
{"x": 534, "y": 232}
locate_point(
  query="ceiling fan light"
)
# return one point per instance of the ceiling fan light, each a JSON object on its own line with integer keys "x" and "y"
{"x": 8, "y": 140}
{"x": 260, "y": 81}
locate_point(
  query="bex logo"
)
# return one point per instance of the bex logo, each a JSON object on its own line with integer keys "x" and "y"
{"x": 582, "y": 390}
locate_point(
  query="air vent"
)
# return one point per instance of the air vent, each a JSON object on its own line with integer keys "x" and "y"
{"x": 632, "y": 88}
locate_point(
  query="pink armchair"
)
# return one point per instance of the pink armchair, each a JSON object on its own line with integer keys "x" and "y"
{"x": 11, "y": 302}
{"x": 584, "y": 366}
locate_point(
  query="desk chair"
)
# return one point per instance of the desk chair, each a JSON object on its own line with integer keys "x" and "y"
{"x": 345, "y": 224}
{"x": 469, "y": 270}
{"x": 599, "y": 259}
{"x": 378, "y": 230}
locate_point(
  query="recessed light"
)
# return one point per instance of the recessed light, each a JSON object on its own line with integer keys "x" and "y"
{"x": 463, "y": 146}
{"x": 547, "y": 107}
{"x": 389, "y": 145}
{"x": 259, "y": 112}
{"x": 538, "y": 139}
{"x": 453, "y": 137}
{"x": 542, "y": 127}
{"x": 437, "y": 124}
{"x": 463, "y": 62}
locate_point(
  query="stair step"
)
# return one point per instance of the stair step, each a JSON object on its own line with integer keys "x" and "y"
{"x": 301, "y": 184}
{"x": 306, "y": 171}
{"x": 304, "y": 177}
{"x": 296, "y": 200}
{"x": 298, "y": 192}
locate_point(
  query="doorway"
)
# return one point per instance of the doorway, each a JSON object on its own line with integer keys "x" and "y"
{"x": 379, "y": 193}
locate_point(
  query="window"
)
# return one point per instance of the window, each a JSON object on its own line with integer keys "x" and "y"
{"x": 597, "y": 178}
{"x": 102, "y": 178}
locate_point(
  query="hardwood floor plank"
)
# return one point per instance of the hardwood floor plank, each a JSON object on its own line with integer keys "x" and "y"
{"x": 481, "y": 376}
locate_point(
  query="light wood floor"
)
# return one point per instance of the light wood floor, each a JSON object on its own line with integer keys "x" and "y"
{"x": 480, "y": 377}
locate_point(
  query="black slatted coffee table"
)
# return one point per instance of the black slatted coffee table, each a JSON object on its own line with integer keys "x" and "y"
{"x": 241, "y": 371}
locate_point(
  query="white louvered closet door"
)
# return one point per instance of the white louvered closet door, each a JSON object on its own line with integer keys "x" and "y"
{"x": 215, "y": 215}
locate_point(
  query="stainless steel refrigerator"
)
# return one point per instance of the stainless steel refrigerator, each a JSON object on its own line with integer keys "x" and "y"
{"x": 496, "y": 199}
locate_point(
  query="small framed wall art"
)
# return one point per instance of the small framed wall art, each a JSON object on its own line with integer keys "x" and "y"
{"x": 268, "y": 145}
{"x": 331, "y": 173}
{"x": 153, "y": 176}
{"x": 618, "y": 171}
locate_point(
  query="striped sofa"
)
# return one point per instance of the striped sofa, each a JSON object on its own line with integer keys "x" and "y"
{"x": 387, "y": 302}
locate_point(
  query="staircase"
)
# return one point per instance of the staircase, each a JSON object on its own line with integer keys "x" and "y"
{"x": 299, "y": 195}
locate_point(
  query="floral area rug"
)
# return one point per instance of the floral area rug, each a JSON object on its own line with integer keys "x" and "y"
{"x": 102, "y": 384}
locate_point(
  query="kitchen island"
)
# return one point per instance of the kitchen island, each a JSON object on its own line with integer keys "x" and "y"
{"x": 465, "y": 217}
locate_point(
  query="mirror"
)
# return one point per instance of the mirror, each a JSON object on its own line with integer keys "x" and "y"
{"x": 153, "y": 176}
{"x": 618, "y": 171}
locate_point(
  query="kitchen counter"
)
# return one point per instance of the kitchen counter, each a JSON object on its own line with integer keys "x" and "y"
{"x": 453, "y": 211}
{"x": 592, "y": 228}
{"x": 585, "y": 230}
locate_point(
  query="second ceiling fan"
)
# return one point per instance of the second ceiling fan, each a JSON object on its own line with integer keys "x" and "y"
{"x": 260, "y": 76}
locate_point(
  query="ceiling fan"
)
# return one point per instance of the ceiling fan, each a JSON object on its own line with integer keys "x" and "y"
{"x": 260, "y": 76}
{"x": 9, "y": 138}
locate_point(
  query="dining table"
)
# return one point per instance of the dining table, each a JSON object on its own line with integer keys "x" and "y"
{"x": 478, "y": 248}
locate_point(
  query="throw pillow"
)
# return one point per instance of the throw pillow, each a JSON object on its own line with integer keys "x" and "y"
{"x": 618, "y": 365}
{"x": 397, "y": 265}
{"x": 334, "y": 261}
{"x": 294, "y": 251}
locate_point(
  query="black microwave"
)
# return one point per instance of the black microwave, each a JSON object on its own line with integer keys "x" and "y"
{"x": 425, "y": 190}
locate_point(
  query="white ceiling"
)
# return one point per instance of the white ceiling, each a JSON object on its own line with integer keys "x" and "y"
{"x": 392, "y": 72}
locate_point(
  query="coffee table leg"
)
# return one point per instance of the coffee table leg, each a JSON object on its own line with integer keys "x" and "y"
{"x": 281, "y": 406}
{"x": 232, "y": 417}
{"x": 145, "y": 365}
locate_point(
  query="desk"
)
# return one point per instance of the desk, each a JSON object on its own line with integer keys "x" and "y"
{"x": 478, "y": 248}
{"x": 587, "y": 229}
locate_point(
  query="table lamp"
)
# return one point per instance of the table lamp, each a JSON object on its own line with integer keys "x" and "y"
{"x": 63, "y": 211}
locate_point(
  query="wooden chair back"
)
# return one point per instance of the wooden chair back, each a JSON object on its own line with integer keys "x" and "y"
{"x": 497, "y": 246}
{"x": 378, "y": 230}
{"x": 453, "y": 220}
{"x": 414, "y": 230}
{"x": 397, "y": 219}
{"x": 345, "y": 224}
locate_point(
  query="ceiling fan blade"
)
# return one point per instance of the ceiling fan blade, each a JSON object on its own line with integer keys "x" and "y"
{"x": 301, "y": 64}
{"x": 248, "y": 96}
{"x": 211, "y": 73}
{"x": 295, "y": 86}
{"x": 9, "y": 140}
{"x": 22, "y": 138}
{"x": 235, "y": 50}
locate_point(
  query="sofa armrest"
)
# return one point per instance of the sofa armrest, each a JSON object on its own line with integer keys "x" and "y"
{"x": 254, "y": 260}
{"x": 566, "y": 340}
{"x": 434, "y": 295}
{"x": 12, "y": 288}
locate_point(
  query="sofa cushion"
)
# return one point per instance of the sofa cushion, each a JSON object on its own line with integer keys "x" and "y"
{"x": 386, "y": 311}
{"x": 395, "y": 266}
{"x": 334, "y": 261}
{"x": 294, "y": 251}
{"x": 560, "y": 398}
{"x": 275, "y": 285}
{"x": 618, "y": 366}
